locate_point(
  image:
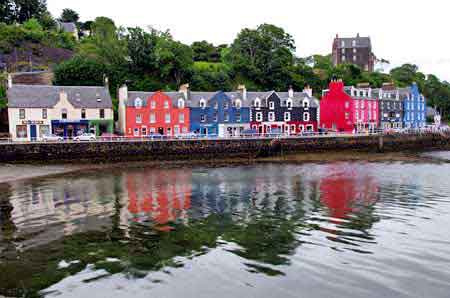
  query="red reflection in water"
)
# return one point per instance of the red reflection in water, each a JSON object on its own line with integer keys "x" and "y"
{"x": 346, "y": 191}
{"x": 162, "y": 195}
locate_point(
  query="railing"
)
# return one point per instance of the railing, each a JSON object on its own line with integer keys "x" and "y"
{"x": 303, "y": 135}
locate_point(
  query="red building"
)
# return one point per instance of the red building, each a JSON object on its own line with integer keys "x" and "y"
{"x": 348, "y": 109}
{"x": 147, "y": 113}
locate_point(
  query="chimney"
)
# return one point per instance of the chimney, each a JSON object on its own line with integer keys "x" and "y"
{"x": 291, "y": 92}
{"x": 308, "y": 91}
{"x": 185, "y": 90}
{"x": 357, "y": 35}
{"x": 243, "y": 90}
{"x": 63, "y": 95}
{"x": 10, "y": 81}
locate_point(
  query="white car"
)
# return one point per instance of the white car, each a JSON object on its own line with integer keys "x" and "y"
{"x": 85, "y": 137}
{"x": 52, "y": 138}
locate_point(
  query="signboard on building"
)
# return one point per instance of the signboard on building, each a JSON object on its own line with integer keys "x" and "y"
{"x": 32, "y": 122}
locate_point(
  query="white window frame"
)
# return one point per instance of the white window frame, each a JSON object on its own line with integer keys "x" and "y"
{"x": 181, "y": 103}
{"x": 167, "y": 118}
{"x": 238, "y": 104}
{"x": 257, "y": 103}
{"x": 152, "y": 118}
{"x": 271, "y": 105}
{"x": 202, "y": 103}
{"x": 144, "y": 130}
{"x": 287, "y": 116}
{"x": 271, "y": 116}
{"x": 289, "y": 103}
{"x": 306, "y": 117}
{"x": 181, "y": 118}
{"x": 259, "y": 117}
{"x": 138, "y": 103}
{"x": 166, "y": 104}
{"x": 153, "y": 104}
{"x": 139, "y": 118}
{"x": 136, "y": 132}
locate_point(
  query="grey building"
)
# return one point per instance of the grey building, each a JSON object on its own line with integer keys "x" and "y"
{"x": 390, "y": 106}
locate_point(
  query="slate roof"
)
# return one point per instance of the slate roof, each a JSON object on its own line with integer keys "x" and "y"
{"x": 361, "y": 42}
{"x": 298, "y": 99}
{"x": 40, "y": 96}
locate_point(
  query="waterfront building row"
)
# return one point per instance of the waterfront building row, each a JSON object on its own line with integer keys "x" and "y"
{"x": 35, "y": 111}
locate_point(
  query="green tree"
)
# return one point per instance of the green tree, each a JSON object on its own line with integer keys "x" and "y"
{"x": 175, "y": 60}
{"x": 6, "y": 11}
{"x": 205, "y": 51}
{"x": 106, "y": 44}
{"x": 80, "y": 71}
{"x": 69, "y": 16}
{"x": 47, "y": 21}
{"x": 27, "y": 9}
{"x": 32, "y": 25}
{"x": 263, "y": 55}
{"x": 142, "y": 49}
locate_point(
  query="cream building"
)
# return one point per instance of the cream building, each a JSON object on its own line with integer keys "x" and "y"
{"x": 35, "y": 111}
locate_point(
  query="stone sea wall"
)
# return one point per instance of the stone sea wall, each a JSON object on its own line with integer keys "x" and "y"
{"x": 213, "y": 149}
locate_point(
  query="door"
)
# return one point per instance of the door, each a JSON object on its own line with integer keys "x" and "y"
{"x": 161, "y": 131}
{"x": 33, "y": 132}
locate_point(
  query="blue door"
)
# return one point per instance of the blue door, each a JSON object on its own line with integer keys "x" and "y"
{"x": 33, "y": 132}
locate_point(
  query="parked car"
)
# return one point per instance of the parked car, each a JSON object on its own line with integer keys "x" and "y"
{"x": 85, "y": 137}
{"x": 108, "y": 137}
{"x": 188, "y": 135}
{"x": 52, "y": 138}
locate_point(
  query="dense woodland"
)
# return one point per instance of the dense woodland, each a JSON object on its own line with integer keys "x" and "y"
{"x": 262, "y": 58}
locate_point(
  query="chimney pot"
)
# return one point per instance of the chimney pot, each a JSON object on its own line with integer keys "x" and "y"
{"x": 10, "y": 81}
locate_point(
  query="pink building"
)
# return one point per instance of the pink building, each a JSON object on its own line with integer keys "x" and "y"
{"x": 349, "y": 109}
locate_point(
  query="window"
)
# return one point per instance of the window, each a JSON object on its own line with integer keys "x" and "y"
{"x": 309, "y": 127}
{"x": 138, "y": 103}
{"x": 343, "y": 58}
{"x": 306, "y": 103}
{"x": 83, "y": 113}
{"x": 167, "y": 118}
{"x": 153, "y": 104}
{"x": 139, "y": 118}
{"x": 271, "y": 105}
{"x": 301, "y": 128}
{"x": 181, "y": 118}
{"x": 216, "y": 105}
{"x": 357, "y": 104}
{"x": 271, "y": 116}
{"x": 181, "y": 103}
{"x": 166, "y": 104}
{"x": 102, "y": 113}
{"x": 226, "y": 117}
{"x": 152, "y": 118}
{"x": 21, "y": 131}
{"x": 257, "y": 103}
{"x": 238, "y": 104}
{"x": 362, "y": 104}
{"x": 64, "y": 114}
{"x": 152, "y": 130}
{"x": 306, "y": 117}
{"x": 215, "y": 117}
{"x": 184, "y": 130}
{"x": 347, "y": 104}
{"x": 44, "y": 130}
{"x": 343, "y": 44}
{"x": 353, "y": 43}
{"x": 225, "y": 105}
{"x": 347, "y": 116}
{"x": 202, "y": 103}
{"x": 287, "y": 116}
{"x": 357, "y": 115}
{"x": 144, "y": 131}
{"x": 238, "y": 117}
{"x": 289, "y": 104}
{"x": 369, "y": 105}
{"x": 292, "y": 128}
{"x": 202, "y": 118}
{"x": 259, "y": 117}
{"x": 136, "y": 132}
{"x": 44, "y": 113}
{"x": 354, "y": 50}
{"x": 354, "y": 58}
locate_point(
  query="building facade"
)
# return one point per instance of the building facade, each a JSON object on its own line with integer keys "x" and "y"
{"x": 36, "y": 111}
{"x": 348, "y": 109}
{"x": 283, "y": 112}
{"x": 218, "y": 114}
{"x": 414, "y": 107}
{"x": 144, "y": 114}
{"x": 355, "y": 50}
{"x": 391, "y": 107}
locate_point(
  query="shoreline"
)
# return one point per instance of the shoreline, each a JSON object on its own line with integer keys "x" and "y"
{"x": 13, "y": 172}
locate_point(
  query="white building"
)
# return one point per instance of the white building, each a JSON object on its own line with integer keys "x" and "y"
{"x": 35, "y": 111}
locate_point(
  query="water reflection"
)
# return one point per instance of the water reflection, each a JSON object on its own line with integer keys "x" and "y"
{"x": 136, "y": 221}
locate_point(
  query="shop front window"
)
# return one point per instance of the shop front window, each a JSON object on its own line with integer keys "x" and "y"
{"x": 21, "y": 131}
{"x": 44, "y": 130}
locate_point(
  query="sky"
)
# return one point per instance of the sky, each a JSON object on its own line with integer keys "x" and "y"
{"x": 402, "y": 31}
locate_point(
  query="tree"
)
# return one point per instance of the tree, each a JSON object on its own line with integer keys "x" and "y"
{"x": 27, "y": 9}
{"x": 80, "y": 71}
{"x": 142, "y": 49}
{"x": 6, "y": 12}
{"x": 175, "y": 60}
{"x": 47, "y": 21}
{"x": 32, "y": 25}
{"x": 263, "y": 55}
{"x": 106, "y": 44}
{"x": 69, "y": 16}
{"x": 205, "y": 51}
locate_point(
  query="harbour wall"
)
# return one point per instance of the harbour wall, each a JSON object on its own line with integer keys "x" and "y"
{"x": 214, "y": 149}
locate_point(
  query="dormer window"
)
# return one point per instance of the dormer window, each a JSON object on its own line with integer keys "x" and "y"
{"x": 238, "y": 104}
{"x": 306, "y": 103}
{"x": 180, "y": 103}
{"x": 138, "y": 103}
{"x": 289, "y": 103}
{"x": 225, "y": 105}
{"x": 271, "y": 105}
{"x": 202, "y": 103}
{"x": 257, "y": 103}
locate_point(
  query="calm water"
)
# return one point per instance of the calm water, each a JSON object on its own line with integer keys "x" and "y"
{"x": 274, "y": 230}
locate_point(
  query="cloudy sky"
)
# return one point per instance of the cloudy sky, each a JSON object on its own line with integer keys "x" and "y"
{"x": 402, "y": 31}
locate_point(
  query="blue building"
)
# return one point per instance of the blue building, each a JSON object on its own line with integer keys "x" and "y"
{"x": 414, "y": 107}
{"x": 218, "y": 114}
